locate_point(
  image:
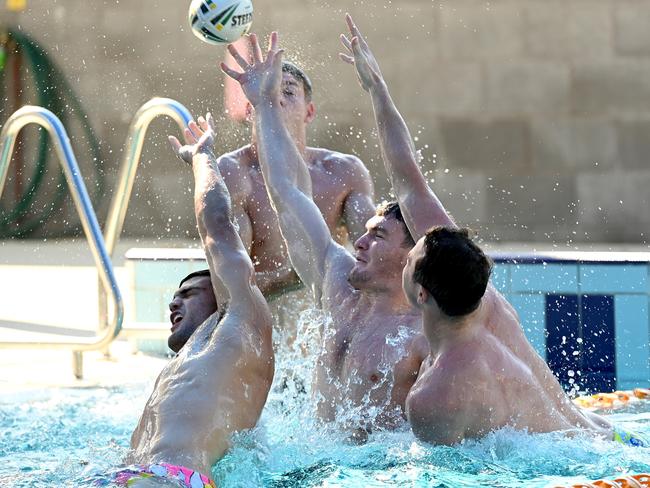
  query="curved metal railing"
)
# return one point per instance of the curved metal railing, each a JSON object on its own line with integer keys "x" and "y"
{"x": 126, "y": 177}
{"x": 135, "y": 140}
{"x": 49, "y": 121}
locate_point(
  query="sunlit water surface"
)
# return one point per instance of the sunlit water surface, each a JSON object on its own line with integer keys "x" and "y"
{"x": 61, "y": 437}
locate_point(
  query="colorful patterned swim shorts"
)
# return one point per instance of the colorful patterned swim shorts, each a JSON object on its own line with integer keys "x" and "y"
{"x": 629, "y": 438}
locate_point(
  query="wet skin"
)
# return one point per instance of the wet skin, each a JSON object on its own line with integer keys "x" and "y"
{"x": 341, "y": 185}
{"x": 371, "y": 347}
{"x": 218, "y": 382}
{"x": 481, "y": 372}
{"x": 215, "y": 386}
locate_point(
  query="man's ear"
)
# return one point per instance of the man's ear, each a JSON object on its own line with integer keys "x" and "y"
{"x": 311, "y": 113}
{"x": 249, "y": 113}
{"x": 423, "y": 295}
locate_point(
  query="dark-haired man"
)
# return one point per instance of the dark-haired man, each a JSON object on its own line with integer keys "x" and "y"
{"x": 191, "y": 305}
{"x": 474, "y": 381}
{"x": 341, "y": 187}
{"x": 481, "y": 373}
{"x": 372, "y": 348}
{"x": 218, "y": 382}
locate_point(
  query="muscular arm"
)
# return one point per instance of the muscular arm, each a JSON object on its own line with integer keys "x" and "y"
{"x": 358, "y": 206}
{"x": 238, "y": 184}
{"x": 309, "y": 242}
{"x": 418, "y": 203}
{"x": 440, "y": 414}
{"x": 271, "y": 283}
{"x": 227, "y": 258}
{"x": 316, "y": 257}
{"x": 225, "y": 252}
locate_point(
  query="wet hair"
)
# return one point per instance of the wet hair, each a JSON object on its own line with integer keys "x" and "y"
{"x": 392, "y": 210}
{"x": 300, "y": 75}
{"x": 203, "y": 272}
{"x": 453, "y": 269}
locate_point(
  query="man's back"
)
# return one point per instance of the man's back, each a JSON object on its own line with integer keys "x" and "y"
{"x": 487, "y": 379}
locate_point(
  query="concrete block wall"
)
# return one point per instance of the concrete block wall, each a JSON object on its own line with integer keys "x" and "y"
{"x": 532, "y": 115}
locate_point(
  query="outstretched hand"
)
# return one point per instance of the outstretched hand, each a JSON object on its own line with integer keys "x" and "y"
{"x": 199, "y": 138}
{"x": 261, "y": 78}
{"x": 360, "y": 56}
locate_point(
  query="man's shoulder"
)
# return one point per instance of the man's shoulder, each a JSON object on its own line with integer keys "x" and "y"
{"x": 234, "y": 159}
{"x": 335, "y": 159}
{"x": 418, "y": 345}
{"x": 450, "y": 384}
{"x": 433, "y": 394}
{"x": 234, "y": 169}
{"x": 244, "y": 321}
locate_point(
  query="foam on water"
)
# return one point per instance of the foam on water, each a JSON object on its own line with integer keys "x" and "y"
{"x": 61, "y": 437}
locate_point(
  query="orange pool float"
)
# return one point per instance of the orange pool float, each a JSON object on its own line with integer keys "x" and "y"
{"x": 641, "y": 392}
{"x": 612, "y": 400}
{"x": 629, "y": 481}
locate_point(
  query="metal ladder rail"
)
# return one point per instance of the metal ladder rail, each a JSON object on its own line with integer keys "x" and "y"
{"x": 126, "y": 177}
{"x": 46, "y": 119}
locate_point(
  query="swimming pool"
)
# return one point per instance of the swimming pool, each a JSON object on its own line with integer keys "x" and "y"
{"x": 585, "y": 313}
{"x": 60, "y": 437}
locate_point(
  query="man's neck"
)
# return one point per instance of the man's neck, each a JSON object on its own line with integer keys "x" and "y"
{"x": 386, "y": 302}
{"x": 443, "y": 332}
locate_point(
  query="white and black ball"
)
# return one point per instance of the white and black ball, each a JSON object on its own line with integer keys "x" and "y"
{"x": 220, "y": 21}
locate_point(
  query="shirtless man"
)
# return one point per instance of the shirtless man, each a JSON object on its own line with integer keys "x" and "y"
{"x": 372, "y": 347}
{"x": 341, "y": 185}
{"x": 481, "y": 373}
{"x": 218, "y": 382}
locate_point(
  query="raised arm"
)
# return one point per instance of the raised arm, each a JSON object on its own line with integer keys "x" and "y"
{"x": 317, "y": 258}
{"x": 226, "y": 255}
{"x": 418, "y": 203}
{"x": 358, "y": 206}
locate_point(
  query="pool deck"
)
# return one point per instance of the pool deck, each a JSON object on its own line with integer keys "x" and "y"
{"x": 49, "y": 284}
{"x": 53, "y": 286}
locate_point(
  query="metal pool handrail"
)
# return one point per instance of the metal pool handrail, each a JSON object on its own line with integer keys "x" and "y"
{"x": 46, "y": 119}
{"x": 135, "y": 140}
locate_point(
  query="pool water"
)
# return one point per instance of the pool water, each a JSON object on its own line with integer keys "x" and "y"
{"x": 61, "y": 437}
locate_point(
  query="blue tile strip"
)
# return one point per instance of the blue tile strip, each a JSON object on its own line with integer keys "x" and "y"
{"x": 549, "y": 278}
{"x": 611, "y": 278}
{"x": 531, "y": 309}
{"x": 632, "y": 341}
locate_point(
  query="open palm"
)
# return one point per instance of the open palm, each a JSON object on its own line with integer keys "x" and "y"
{"x": 262, "y": 78}
{"x": 199, "y": 138}
{"x": 360, "y": 55}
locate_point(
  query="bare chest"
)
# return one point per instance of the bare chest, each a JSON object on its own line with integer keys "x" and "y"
{"x": 367, "y": 351}
{"x": 328, "y": 191}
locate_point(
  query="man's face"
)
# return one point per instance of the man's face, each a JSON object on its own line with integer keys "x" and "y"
{"x": 380, "y": 254}
{"x": 409, "y": 285}
{"x": 191, "y": 305}
{"x": 297, "y": 112}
